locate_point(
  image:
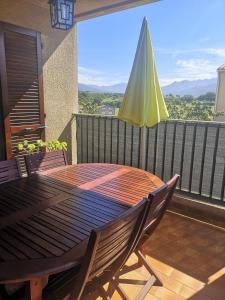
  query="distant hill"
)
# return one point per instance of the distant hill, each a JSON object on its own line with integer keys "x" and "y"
{"x": 185, "y": 87}
{"x": 116, "y": 88}
{"x": 194, "y": 87}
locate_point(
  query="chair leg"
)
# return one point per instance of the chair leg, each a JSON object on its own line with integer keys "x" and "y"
{"x": 122, "y": 293}
{"x": 104, "y": 294}
{"x": 19, "y": 293}
{"x": 141, "y": 257}
{"x": 144, "y": 291}
{"x": 3, "y": 292}
{"x": 153, "y": 280}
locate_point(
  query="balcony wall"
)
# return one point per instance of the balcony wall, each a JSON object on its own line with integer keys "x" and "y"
{"x": 193, "y": 149}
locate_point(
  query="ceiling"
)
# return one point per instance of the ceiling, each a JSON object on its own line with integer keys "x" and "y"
{"x": 85, "y": 9}
{"x": 34, "y": 14}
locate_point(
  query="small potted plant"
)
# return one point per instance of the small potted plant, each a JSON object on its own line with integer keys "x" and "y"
{"x": 41, "y": 146}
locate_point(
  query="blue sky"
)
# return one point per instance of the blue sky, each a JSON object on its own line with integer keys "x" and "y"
{"x": 188, "y": 38}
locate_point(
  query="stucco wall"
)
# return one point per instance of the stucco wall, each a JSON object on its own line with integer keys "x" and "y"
{"x": 220, "y": 99}
{"x": 60, "y": 88}
{"x": 59, "y": 56}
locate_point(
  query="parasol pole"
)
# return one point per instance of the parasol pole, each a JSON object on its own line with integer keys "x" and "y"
{"x": 143, "y": 148}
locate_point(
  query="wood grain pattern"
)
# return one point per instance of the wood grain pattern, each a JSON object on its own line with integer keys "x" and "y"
{"x": 43, "y": 161}
{"x": 9, "y": 170}
{"x": 107, "y": 251}
{"x": 46, "y": 219}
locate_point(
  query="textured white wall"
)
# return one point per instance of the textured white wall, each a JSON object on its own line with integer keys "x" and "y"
{"x": 60, "y": 89}
{"x": 220, "y": 97}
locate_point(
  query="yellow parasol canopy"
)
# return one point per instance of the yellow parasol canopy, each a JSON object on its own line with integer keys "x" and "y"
{"x": 143, "y": 103}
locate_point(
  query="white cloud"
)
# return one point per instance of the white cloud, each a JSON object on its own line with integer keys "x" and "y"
{"x": 196, "y": 68}
{"x": 190, "y": 69}
{"x": 215, "y": 51}
{"x": 97, "y": 77}
{"x": 219, "y": 52}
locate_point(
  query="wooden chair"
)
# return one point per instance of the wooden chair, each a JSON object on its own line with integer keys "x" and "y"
{"x": 107, "y": 251}
{"x": 9, "y": 170}
{"x": 44, "y": 161}
{"x": 159, "y": 201}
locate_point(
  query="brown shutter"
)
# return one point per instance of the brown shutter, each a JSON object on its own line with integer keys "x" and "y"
{"x": 21, "y": 81}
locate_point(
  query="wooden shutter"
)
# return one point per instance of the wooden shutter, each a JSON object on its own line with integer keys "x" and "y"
{"x": 22, "y": 90}
{"x": 2, "y": 132}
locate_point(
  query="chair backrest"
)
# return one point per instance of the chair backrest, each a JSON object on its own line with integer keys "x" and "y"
{"x": 159, "y": 200}
{"x": 9, "y": 170}
{"x": 110, "y": 246}
{"x": 44, "y": 161}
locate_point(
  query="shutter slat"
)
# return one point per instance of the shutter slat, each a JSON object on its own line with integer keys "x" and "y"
{"x": 23, "y": 68}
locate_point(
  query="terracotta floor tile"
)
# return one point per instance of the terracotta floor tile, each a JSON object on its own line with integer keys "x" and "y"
{"x": 159, "y": 266}
{"x": 165, "y": 294}
{"x": 189, "y": 258}
{"x": 170, "y": 284}
{"x": 187, "y": 280}
{"x": 186, "y": 292}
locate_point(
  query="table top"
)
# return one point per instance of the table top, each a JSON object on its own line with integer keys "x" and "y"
{"x": 46, "y": 219}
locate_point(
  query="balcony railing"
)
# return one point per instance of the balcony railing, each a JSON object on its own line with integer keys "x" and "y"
{"x": 193, "y": 149}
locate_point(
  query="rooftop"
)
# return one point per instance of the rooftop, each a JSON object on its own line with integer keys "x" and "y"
{"x": 221, "y": 67}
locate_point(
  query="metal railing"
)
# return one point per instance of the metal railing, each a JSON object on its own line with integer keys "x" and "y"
{"x": 193, "y": 149}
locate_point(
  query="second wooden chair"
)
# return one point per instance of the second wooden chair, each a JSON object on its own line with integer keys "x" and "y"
{"x": 159, "y": 201}
{"x": 9, "y": 170}
{"x": 44, "y": 161}
{"x": 107, "y": 251}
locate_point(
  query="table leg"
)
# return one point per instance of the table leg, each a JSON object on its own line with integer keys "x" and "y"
{"x": 35, "y": 287}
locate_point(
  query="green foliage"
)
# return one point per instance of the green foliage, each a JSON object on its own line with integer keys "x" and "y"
{"x": 210, "y": 96}
{"x": 31, "y": 148}
{"x": 89, "y": 102}
{"x": 39, "y": 146}
{"x": 180, "y": 107}
{"x": 56, "y": 145}
{"x": 26, "y": 147}
{"x": 112, "y": 102}
{"x": 193, "y": 110}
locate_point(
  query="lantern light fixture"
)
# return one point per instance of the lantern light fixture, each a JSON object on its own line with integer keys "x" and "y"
{"x": 62, "y": 14}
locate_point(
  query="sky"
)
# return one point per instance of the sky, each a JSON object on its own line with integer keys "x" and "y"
{"x": 188, "y": 38}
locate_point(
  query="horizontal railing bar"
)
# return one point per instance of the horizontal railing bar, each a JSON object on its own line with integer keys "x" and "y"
{"x": 201, "y": 198}
{"x": 191, "y": 122}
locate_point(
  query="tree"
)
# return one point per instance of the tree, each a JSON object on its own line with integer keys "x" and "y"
{"x": 112, "y": 102}
{"x": 187, "y": 98}
{"x": 210, "y": 96}
{"x": 194, "y": 110}
{"x": 184, "y": 108}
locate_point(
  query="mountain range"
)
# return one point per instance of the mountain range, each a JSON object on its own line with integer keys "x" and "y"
{"x": 184, "y": 87}
{"x": 116, "y": 88}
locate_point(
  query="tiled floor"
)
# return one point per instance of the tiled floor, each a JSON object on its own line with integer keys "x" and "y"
{"x": 188, "y": 256}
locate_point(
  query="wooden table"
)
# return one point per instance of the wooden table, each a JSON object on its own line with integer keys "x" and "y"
{"x": 45, "y": 220}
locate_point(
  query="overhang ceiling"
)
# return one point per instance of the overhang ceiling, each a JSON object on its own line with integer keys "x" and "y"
{"x": 34, "y": 14}
{"x": 86, "y": 9}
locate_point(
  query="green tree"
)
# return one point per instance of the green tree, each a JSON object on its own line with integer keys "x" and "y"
{"x": 185, "y": 108}
{"x": 210, "y": 96}
{"x": 194, "y": 110}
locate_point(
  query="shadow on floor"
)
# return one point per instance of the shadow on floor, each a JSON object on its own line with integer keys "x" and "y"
{"x": 192, "y": 247}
